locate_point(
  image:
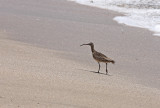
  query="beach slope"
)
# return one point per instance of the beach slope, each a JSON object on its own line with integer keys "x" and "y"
{"x": 32, "y": 77}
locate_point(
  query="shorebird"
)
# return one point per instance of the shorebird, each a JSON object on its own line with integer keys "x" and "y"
{"x": 99, "y": 57}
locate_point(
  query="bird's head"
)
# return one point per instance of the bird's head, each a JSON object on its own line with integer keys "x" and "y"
{"x": 90, "y": 44}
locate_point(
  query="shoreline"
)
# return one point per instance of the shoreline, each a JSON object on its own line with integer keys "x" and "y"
{"x": 124, "y": 18}
{"x": 43, "y": 65}
{"x": 64, "y": 28}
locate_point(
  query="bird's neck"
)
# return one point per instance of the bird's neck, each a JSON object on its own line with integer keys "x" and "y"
{"x": 92, "y": 48}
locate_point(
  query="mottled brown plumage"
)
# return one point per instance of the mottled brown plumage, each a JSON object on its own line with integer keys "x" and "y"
{"x": 99, "y": 57}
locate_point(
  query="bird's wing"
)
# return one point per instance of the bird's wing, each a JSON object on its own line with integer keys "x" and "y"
{"x": 100, "y": 56}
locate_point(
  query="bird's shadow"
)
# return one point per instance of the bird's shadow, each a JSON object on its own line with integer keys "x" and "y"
{"x": 95, "y": 72}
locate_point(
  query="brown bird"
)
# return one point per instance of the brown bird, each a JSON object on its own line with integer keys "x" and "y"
{"x": 99, "y": 57}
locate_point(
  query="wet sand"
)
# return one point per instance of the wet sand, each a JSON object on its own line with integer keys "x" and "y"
{"x": 42, "y": 64}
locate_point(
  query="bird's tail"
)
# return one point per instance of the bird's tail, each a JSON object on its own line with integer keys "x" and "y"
{"x": 113, "y": 61}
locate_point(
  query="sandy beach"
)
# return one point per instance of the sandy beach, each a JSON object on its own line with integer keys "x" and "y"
{"x": 43, "y": 66}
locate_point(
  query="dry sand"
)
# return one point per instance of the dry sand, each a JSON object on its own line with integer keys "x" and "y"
{"x": 32, "y": 77}
{"x": 50, "y": 70}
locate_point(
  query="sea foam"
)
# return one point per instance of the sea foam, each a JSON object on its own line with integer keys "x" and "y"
{"x": 137, "y": 13}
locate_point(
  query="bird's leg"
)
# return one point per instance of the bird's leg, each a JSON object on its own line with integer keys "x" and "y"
{"x": 106, "y": 69}
{"x": 99, "y": 67}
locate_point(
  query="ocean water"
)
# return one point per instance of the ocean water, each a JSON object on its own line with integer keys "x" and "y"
{"x": 137, "y": 13}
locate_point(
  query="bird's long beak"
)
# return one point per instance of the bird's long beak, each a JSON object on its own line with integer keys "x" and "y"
{"x": 84, "y": 44}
